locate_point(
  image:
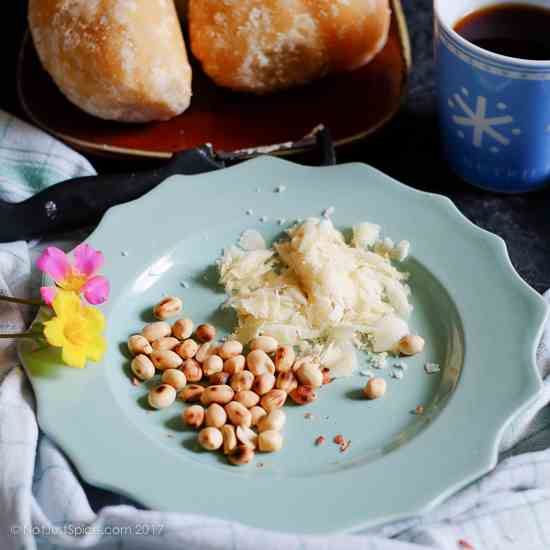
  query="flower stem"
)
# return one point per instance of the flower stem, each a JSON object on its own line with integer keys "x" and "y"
{"x": 21, "y": 301}
{"x": 18, "y": 335}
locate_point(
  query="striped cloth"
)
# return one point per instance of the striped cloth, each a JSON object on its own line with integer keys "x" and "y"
{"x": 44, "y": 505}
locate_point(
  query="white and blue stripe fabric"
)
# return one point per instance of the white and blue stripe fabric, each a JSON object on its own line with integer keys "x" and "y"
{"x": 43, "y": 504}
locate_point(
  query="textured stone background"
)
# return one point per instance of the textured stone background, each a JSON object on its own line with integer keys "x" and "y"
{"x": 408, "y": 149}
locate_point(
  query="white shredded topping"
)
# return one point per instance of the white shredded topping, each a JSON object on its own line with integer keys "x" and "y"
{"x": 365, "y": 234}
{"x": 328, "y": 212}
{"x": 252, "y": 240}
{"x": 400, "y": 251}
{"x": 316, "y": 291}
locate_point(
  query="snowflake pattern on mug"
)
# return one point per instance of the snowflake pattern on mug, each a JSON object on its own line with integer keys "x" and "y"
{"x": 475, "y": 117}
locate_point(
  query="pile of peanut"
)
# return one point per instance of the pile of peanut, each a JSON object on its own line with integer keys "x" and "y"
{"x": 241, "y": 396}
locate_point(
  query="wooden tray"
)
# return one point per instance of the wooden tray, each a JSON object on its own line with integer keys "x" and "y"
{"x": 352, "y": 105}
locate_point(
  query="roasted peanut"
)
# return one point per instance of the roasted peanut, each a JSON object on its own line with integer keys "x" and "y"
{"x": 218, "y": 378}
{"x": 215, "y": 350}
{"x": 210, "y": 438}
{"x": 246, "y": 436}
{"x": 162, "y": 396}
{"x": 286, "y": 381}
{"x": 257, "y": 414}
{"x": 238, "y": 414}
{"x": 191, "y": 392}
{"x": 270, "y": 441}
{"x": 375, "y": 388}
{"x": 205, "y": 333}
{"x": 410, "y": 344}
{"x": 215, "y": 415}
{"x": 309, "y": 375}
{"x": 275, "y": 420}
{"x": 248, "y": 398}
{"x": 241, "y": 455}
{"x": 303, "y": 395}
{"x": 273, "y": 399}
{"x": 265, "y": 343}
{"x": 212, "y": 365}
{"x": 193, "y": 416}
{"x": 192, "y": 370}
{"x": 306, "y": 360}
{"x": 242, "y": 380}
{"x": 165, "y": 359}
{"x": 154, "y": 331}
{"x": 229, "y": 438}
{"x": 204, "y": 351}
{"x": 168, "y": 307}
{"x": 142, "y": 367}
{"x": 187, "y": 349}
{"x": 234, "y": 364}
{"x": 263, "y": 383}
{"x": 182, "y": 329}
{"x": 231, "y": 348}
{"x": 174, "y": 378}
{"x": 138, "y": 344}
{"x": 259, "y": 362}
{"x": 284, "y": 358}
{"x": 221, "y": 394}
{"x": 166, "y": 343}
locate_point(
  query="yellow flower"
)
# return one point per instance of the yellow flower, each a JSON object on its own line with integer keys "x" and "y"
{"x": 76, "y": 329}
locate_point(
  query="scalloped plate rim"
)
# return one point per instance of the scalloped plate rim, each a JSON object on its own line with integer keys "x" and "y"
{"x": 488, "y": 457}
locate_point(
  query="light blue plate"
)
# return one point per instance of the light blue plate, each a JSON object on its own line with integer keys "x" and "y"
{"x": 480, "y": 320}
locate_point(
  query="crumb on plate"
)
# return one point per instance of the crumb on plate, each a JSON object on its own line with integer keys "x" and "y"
{"x": 345, "y": 445}
{"x": 397, "y": 374}
{"x": 432, "y": 368}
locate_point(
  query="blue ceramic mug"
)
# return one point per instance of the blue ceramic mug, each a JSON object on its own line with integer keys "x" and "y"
{"x": 494, "y": 110}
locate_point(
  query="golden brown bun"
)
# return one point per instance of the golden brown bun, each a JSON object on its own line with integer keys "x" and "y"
{"x": 262, "y": 46}
{"x": 115, "y": 59}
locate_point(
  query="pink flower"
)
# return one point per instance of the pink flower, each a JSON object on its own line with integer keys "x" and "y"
{"x": 80, "y": 277}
